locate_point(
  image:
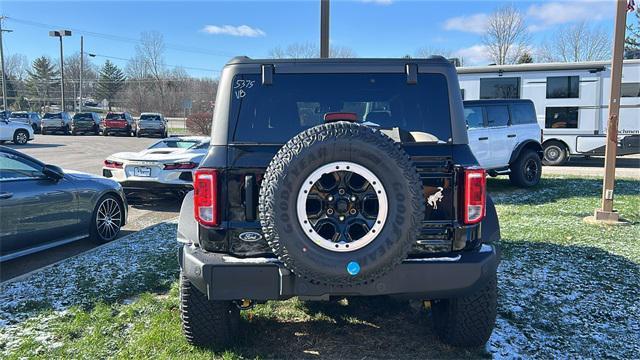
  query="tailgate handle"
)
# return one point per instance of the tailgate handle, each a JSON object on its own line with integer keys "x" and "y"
{"x": 511, "y": 135}
{"x": 250, "y": 197}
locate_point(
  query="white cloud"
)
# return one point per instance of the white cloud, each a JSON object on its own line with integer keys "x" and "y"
{"x": 476, "y": 23}
{"x": 378, "y": 2}
{"x": 549, "y": 14}
{"x": 473, "y": 55}
{"x": 242, "y": 30}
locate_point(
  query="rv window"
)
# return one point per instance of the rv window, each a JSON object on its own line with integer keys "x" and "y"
{"x": 474, "y": 117}
{"x": 523, "y": 114}
{"x": 500, "y": 88}
{"x": 630, "y": 90}
{"x": 561, "y": 118}
{"x": 562, "y": 87}
{"x": 497, "y": 115}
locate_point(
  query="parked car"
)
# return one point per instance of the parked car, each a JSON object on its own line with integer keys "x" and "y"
{"x": 42, "y": 206}
{"x": 85, "y": 122}
{"x": 164, "y": 168}
{"x": 56, "y": 122}
{"x": 27, "y": 117}
{"x": 505, "y": 137}
{"x": 118, "y": 122}
{"x": 152, "y": 124}
{"x": 5, "y": 114}
{"x": 330, "y": 178}
{"x": 18, "y": 132}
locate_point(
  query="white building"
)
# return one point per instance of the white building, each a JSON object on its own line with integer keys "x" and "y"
{"x": 571, "y": 100}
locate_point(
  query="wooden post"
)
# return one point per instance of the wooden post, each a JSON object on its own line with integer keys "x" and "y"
{"x": 606, "y": 212}
{"x": 324, "y": 29}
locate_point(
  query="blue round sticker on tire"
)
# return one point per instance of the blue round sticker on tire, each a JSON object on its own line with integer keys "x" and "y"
{"x": 353, "y": 268}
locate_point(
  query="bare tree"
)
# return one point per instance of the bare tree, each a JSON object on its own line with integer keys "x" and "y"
{"x": 506, "y": 37}
{"x": 72, "y": 76}
{"x": 150, "y": 51}
{"x": 427, "y": 51}
{"x": 309, "y": 50}
{"x": 16, "y": 66}
{"x": 580, "y": 42}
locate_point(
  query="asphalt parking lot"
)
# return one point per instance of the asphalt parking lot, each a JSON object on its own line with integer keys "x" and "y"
{"x": 86, "y": 153}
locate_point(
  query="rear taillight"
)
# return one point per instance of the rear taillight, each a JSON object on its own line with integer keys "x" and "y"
{"x": 475, "y": 188}
{"x": 180, "y": 166}
{"x": 205, "y": 196}
{"x": 113, "y": 164}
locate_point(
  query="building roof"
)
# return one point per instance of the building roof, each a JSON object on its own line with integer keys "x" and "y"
{"x": 587, "y": 65}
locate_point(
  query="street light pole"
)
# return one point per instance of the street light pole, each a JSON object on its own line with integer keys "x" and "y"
{"x": 81, "y": 71}
{"x": 60, "y": 34}
{"x": 4, "y": 81}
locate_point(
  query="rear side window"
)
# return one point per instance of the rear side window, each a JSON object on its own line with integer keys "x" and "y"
{"x": 497, "y": 115}
{"x": 630, "y": 89}
{"x": 294, "y": 102}
{"x": 523, "y": 114}
{"x": 474, "y": 117}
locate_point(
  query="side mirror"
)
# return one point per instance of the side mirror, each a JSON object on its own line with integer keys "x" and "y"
{"x": 53, "y": 172}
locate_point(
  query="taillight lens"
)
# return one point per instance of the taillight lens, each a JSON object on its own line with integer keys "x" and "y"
{"x": 113, "y": 164}
{"x": 205, "y": 196}
{"x": 180, "y": 166}
{"x": 475, "y": 188}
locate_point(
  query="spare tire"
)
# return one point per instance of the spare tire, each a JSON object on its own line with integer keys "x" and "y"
{"x": 341, "y": 204}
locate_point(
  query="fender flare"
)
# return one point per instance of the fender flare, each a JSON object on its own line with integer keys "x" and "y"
{"x": 187, "y": 226}
{"x": 529, "y": 144}
{"x": 490, "y": 225}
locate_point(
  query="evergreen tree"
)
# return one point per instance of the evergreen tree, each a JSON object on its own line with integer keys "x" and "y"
{"x": 525, "y": 58}
{"x": 43, "y": 81}
{"x": 111, "y": 81}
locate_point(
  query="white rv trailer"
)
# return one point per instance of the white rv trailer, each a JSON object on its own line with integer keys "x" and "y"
{"x": 571, "y": 101}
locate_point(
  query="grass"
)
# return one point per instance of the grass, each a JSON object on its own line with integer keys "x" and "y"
{"x": 567, "y": 289}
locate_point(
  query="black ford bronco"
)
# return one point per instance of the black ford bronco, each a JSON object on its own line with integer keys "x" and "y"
{"x": 330, "y": 178}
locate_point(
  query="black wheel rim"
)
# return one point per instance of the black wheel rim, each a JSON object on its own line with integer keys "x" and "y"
{"x": 108, "y": 219}
{"x": 342, "y": 206}
{"x": 531, "y": 170}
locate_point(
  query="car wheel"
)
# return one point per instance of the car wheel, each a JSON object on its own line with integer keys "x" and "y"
{"x": 138, "y": 134}
{"x": 35, "y": 128}
{"x": 20, "y": 137}
{"x": 74, "y": 132}
{"x": 469, "y": 320}
{"x": 206, "y": 323}
{"x": 555, "y": 154}
{"x": 107, "y": 219}
{"x": 43, "y": 131}
{"x": 526, "y": 170}
{"x": 66, "y": 130}
{"x": 358, "y": 204}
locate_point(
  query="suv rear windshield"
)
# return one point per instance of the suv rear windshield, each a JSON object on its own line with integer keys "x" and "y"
{"x": 294, "y": 102}
{"x": 20, "y": 115}
{"x": 150, "y": 117}
{"x": 115, "y": 116}
{"x": 83, "y": 116}
{"x": 53, "y": 116}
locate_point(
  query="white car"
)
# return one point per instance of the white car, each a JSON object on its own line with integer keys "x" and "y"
{"x": 504, "y": 136}
{"x": 163, "y": 168}
{"x": 18, "y": 132}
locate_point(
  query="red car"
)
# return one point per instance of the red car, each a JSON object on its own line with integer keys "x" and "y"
{"x": 118, "y": 122}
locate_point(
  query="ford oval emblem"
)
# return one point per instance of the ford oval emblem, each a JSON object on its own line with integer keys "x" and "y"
{"x": 250, "y": 236}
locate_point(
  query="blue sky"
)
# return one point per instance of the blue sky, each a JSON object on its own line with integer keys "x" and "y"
{"x": 205, "y": 34}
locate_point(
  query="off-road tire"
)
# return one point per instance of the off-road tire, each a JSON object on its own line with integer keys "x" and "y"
{"x": 467, "y": 321}
{"x": 519, "y": 176}
{"x": 21, "y": 137}
{"x": 316, "y": 147}
{"x": 205, "y": 323}
{"x": 551, "y": 148}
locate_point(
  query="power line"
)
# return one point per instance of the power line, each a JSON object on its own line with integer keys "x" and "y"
{"x": 177, "y": 47}
{"x": 174, "y": 66}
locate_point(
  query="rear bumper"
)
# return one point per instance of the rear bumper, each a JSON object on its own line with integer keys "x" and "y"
{"x": 223, "y": 277}
{"x": 116, "y": 130}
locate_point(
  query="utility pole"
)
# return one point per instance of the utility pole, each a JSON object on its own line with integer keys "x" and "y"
{"x": 4, "y": 81}
{"x": 606, "y": 214}
{"x": 60, "y": 34}
{"x": 81, "y": 71}
{"x": 324, "y": 29}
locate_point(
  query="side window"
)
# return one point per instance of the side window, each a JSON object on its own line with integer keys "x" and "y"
{"x": 474, "y": 117}
{"x": 563, "y": 87}
{"x": 497, "y": 116}
{"x": 561, "y": 118}
{"x": 500, "y": 88}
{"x": 14, "y": 167}
{"x": 630, "y": 89}
{"x": 523, "y": 114}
